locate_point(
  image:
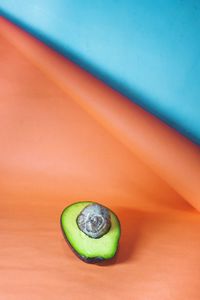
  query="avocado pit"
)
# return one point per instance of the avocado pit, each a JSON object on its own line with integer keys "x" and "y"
{"x": 94, "y": 220}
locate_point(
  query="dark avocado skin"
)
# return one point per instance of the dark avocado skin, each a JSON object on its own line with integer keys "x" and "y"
{"x": 94, "y": 260}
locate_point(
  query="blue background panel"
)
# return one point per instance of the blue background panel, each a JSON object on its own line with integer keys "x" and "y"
{"x": 148, "y": 50}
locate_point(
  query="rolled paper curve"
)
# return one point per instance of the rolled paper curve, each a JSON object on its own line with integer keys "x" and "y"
{"x": 168, "y": 153}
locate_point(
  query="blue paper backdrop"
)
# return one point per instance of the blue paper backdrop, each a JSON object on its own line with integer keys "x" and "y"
{"x": 148, "y": 50}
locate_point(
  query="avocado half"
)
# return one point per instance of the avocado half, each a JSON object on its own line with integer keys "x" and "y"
{"x": 90, "y": 250}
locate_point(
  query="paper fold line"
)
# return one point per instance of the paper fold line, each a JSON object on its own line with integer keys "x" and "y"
{"x": 169, "y": 154}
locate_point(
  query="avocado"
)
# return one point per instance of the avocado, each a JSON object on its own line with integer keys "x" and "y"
{"x": 91, "y": 230}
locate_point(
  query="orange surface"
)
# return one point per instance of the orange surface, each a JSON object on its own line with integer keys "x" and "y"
{"x": 67, "y": 137}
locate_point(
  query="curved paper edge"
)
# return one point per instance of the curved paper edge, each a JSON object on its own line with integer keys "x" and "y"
{"x": 169, "y": 154}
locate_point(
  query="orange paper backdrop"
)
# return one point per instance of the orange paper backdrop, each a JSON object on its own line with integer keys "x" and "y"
{"x": 67, "y": 137}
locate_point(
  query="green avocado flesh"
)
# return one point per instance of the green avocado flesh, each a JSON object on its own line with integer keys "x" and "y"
{"x": 88, "y": 248}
